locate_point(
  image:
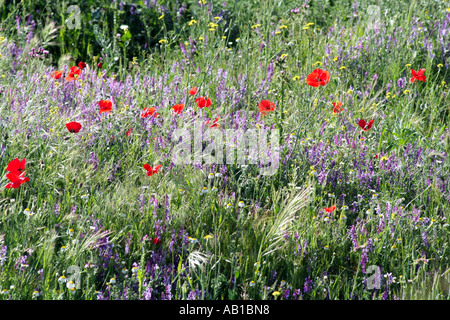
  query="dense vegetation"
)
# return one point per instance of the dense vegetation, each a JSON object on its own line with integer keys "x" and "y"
{"x": 89, "y": 214}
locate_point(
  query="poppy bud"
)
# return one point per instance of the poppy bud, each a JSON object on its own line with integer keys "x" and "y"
{"x": 99, "y": 65}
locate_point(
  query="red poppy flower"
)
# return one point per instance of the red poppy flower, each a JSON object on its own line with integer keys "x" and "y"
{"x": 74, "y": 126}
{"x": 215, "y": 123}
{"x": 318, "y": 77}
{"x": 330, "y": 209}
{"x": 151, "y": 171}
{"x": 365, "y": 126}
{"x": 417, "y": 75}
{"x": 16, "y": 166}
{"x": 81, "y": 65}
{"x": 74, "y": 73}
{"x": 99, "y": 65}
{"x": 203, "y": 102}
{"x": 156, "y": 241}
{"x": 178, "y": 108}
{"x": 193, "y": 91}
{"x": 337, "y": 107}
{"x": 148, "y": 112}
{"x": 56, "y": 74}
{"x": 16, "y": 179}
{"x": 128, "y": 132}
{"x": 105, "y": 106}
{"x": 266, "y": 106}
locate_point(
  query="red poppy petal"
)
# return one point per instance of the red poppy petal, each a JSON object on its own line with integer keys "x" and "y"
{"x": 312, "y": 79}
{"x": 362, "y": 123}
{"x": 193, "y": 91}
{"x": 421, "y": 78}
{"x": 325, "y": 77}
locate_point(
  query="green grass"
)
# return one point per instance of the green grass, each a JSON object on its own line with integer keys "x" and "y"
{"x": 390, "y": 184}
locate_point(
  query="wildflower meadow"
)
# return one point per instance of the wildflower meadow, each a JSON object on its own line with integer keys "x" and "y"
{"x": 224, "y": 150}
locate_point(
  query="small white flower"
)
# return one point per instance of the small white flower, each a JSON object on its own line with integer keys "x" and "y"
{"x": 181, "y": 191}
{"x": 205, "y": 190}
{"x": 36, "y": 294}
{"x": 63, "y": 248}
{"x": 5, "y": 291}
{"x": 70, "y": 285}
{"x": 70, "y": 232}
{"x": 62, "y": 279}
{"x": 211, "y": 176}
{"x": 252, "y": 283}
{"x": 124, "y": 270}
{"x": 134, "y": 270}
{"x": 241, "y": 204}
{"x": 218, "y": 175}
{"x": 326, "y": 219}
{"x": 228, "y": 206}
{"x": 124, "y": 27}
{"x": 28, "y": 212}
{"x": 112, "y": 280}
{"x": 193, "y": 240}
{"x": 85, "y": 196}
